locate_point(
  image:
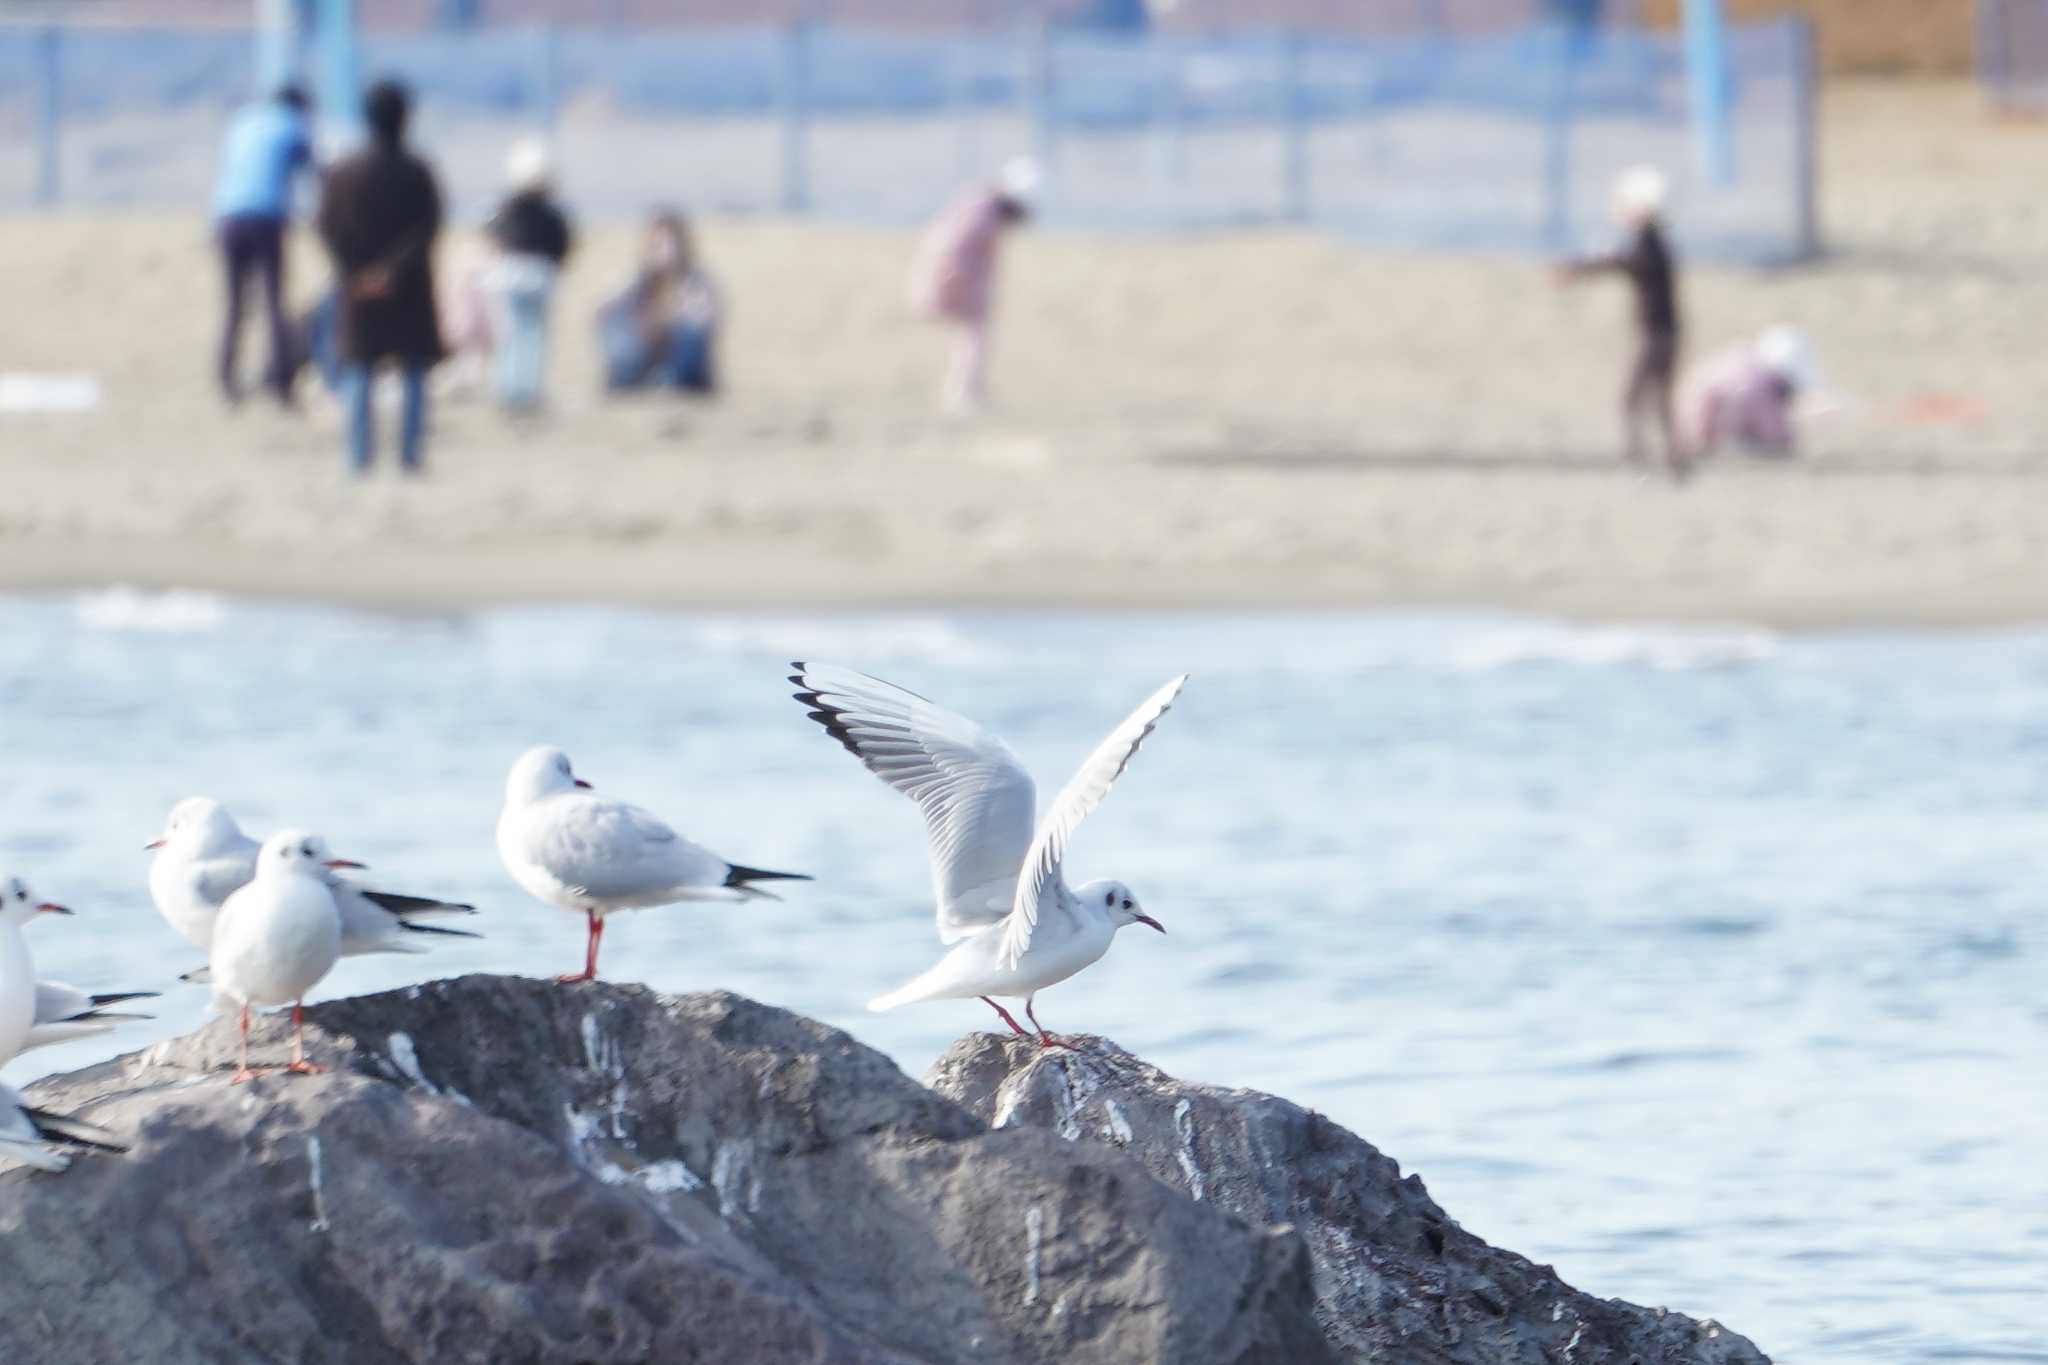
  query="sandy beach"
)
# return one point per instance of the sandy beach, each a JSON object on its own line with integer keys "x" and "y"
{"x": 1242, "y": 418}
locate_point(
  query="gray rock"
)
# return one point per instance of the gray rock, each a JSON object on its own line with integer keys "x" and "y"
{"x": 500, "y": 1170}
{"x": 1397, "y": 1280}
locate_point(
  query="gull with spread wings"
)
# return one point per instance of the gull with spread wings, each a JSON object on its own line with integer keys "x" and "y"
{"x": 997, "y": 870}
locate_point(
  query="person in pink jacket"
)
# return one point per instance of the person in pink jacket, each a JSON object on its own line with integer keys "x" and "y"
{"x": 953, "y": 279}
{"x": 1747, "y": 396}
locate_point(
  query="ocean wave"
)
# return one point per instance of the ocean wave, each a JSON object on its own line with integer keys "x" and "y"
{"x": 1661, "y": 649}
{"x": 172, "y": 612}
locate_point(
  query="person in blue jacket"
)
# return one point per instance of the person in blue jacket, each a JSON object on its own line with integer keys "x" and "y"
{"x": 268, "y": 143}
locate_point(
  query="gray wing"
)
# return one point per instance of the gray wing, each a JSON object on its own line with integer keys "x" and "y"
{"x": 977, "y": 800}
{"x": 65, "y": 1012}
{"x": 1082, "y": 794}
{"x": 611, "y": 849}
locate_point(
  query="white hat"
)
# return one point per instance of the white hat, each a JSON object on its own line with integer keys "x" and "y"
{"x": 1786, "y": 353}
{"x": 1639, "y": 192}
{"x": 527, "y": 164}
{"x": 1020, "y": 178}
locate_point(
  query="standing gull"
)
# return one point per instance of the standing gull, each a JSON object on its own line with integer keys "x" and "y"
{"x": 202, "y": 858}
{"x": 591, "y": 854}
{"x": 998, "y": 879}
{"x": 276, "y": 937}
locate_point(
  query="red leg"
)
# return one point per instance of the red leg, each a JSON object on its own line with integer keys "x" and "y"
{"x": 590, "y": 951}
{"x": 1044, "y": 1039}
{"x": 1015, "y": 1027}
{"x": 300, "y": 1065}
{"x": 242, "y": 1072}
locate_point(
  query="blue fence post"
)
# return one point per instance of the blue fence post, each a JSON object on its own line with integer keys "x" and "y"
{"x": 795, "y": 96}
{"x": 1806, "y": 155}
{"x": 546, "y": 76}
{"x": 49, "y": 115}
{"x": 1169, "y": 168}
{"x": 1039, "y": 95}
{"x": 1294, "y": 126}
{"x": 1557, "y": 141}
{"x": 1706, "y": 66}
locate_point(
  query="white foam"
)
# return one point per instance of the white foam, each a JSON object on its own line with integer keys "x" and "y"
{"x": 172, "y": 612}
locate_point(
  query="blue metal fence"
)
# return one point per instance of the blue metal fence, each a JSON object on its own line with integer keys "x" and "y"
{"x": 2012, "y": 53}
{"x": 1501, "y": 139}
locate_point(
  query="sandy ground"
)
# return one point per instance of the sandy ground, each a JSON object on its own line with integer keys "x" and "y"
{"x": 1225, "y": 419}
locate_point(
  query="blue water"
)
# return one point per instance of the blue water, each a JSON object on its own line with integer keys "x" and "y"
{"x": 1708, "y": 965}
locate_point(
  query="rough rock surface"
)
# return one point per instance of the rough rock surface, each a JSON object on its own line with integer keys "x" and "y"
{"x": 501, "y": 1170}
{"x": 1397, "y": 1280}
{"x": 498, "y": 1170}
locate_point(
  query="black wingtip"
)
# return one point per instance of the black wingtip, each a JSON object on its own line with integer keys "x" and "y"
{"x": 76, "y": 1132}
{"x": 740, "y": 876}
{"x": 102, "y": 1001}
{"x": 402, "y": 905}
{"x": 415, "y": 927}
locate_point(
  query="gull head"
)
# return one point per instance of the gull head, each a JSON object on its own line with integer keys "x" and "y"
{"x": 198, "y": 826}
{"x": 541, "y": 771}
{"x": 19, "y": 904}
{"x": 295, "y": 853}
{"x": 1115, "y": 900}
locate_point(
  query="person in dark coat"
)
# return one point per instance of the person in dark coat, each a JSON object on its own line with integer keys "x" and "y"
{"x": 1645, "y": 259}
{"x": 532, "y": 238}
{"x": 379, "y": 215}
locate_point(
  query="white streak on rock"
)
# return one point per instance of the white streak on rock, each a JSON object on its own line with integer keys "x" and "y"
{"x": 733, "y": 1177}
{"x": 605, "y": 1058}
{"x": 405, "y": 1059}
{"x": 1116, "y": 1128}
{"x": 1184, "y": 1126}
{"x": 1034, "y": 1234}
{"x": 319, "y": 1223}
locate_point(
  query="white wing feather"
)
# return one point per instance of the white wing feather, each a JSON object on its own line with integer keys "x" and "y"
{"x": 613, "y": 850}
{"x": 978, "y": 801}
{"x": 1082, "y": 794}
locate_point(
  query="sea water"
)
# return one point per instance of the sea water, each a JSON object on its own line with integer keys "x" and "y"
{"x": 1710, "y": 965}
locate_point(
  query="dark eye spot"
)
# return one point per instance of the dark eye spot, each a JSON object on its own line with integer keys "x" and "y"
{"x": 1109, "y": 898}
{"x": 1127, "y": 905}
{"x": 306, "y": 849}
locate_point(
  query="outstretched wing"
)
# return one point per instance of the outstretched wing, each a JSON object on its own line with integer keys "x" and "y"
{"x": 976, "y": 797}
{"x": 1083, "y": 793}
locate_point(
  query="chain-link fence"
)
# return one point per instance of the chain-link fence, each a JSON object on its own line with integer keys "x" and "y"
{"x": 1500, "y": 139}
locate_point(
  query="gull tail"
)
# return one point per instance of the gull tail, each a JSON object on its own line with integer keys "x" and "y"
{"x": 928, "y": 985}
{"x": 742, "y": 879}
{"x": 410, "y": 927}
{"x": 77, "y": 1132}
{"x": 415, "y": 907}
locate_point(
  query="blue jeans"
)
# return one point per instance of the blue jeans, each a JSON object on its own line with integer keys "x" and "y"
{"x": 522, "y": 346}
{"x": 412, "y": 426}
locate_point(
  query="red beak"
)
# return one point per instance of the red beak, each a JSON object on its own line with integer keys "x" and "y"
{"x": 343, "y": 862}
{"x": 51, "y": 908}
{"x": 581, "y": 783}
{"x": 157, "y": 842}
{"x": 1150, "y": 922}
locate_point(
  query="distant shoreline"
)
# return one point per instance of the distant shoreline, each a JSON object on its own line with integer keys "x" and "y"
{"x": 599, "y": 576}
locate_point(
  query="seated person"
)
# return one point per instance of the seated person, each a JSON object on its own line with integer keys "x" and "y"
{"x": 661, "y": 331}
{"x": 1747, "y": 395}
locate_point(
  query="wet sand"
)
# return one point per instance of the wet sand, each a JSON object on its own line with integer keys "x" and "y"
{"x": 1245, "y": 418}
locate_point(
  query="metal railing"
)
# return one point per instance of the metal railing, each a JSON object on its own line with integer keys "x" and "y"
{"x": 1497, "y": 140}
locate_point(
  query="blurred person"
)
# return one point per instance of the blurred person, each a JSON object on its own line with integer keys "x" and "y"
{"x": 953, "y": 278}
{"x": 532, "y": 238}
{"x": 467, "y": 326}
{"x": 1637, "y": 203}
{"x": 661, "y": 331}
{"x": 267, "y": 144}
{"x": 379, "y": 217}
{"x": 1748, "y": 396}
